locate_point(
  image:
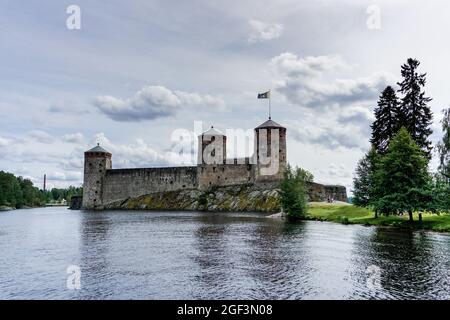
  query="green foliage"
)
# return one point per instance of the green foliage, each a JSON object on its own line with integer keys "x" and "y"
{"x": 411, "y": 112}
{"x": 386, "y": 124}
{"x": 440, "y": 194}
{"x": 293, "y": 191}
{"x": 393, "y": 177}
{"x": 443, "y": 148}
{"x": 415, "y": 114}
{"x": 402, "y": 177}
{"x": 349, "y": 214}
{"x": 344, "y": 220}
{"x": 58, "y": 194}
{"x": 203, "y": 199}
{"x": 18, "y": 192}
{"x": 364, "y": 187}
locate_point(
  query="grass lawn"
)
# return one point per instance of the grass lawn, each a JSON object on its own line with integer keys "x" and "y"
{"x": 349, "y": 214}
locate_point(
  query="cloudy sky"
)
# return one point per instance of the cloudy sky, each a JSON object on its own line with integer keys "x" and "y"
{"x": 138, "y": 70}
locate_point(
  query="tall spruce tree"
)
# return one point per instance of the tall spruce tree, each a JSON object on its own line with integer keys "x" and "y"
{"x": 386, "y": 122}
{"x": 364, "y": 186}
{"x": 402, "y": 177}
{"x": 415, "y": 114}
{"x": 441, "y": 193}
{"x": 443, "y": 147}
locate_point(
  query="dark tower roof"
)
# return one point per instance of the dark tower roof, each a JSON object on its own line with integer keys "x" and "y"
{"x": 98, "y": 149}
{"x": 212, "y": 132}
{"x": 270, "y": 124}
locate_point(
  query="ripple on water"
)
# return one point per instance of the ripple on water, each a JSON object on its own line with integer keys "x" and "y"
{"x": 197, "y": 255}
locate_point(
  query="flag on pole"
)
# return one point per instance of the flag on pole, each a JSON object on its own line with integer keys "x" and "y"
{"x": 264, "y": 95}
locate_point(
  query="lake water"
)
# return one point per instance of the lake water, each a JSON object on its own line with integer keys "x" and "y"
{"x": 199, "y": 255}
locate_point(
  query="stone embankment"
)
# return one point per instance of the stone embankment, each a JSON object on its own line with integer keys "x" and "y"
{"x": 231, "y": 198}
{"x": 248, "y": 197}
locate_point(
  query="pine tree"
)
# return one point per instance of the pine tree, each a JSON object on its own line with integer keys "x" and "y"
{"x": 441, "y": 194}
{"x": 386, "y": 121}
{"x": 443, "y": 147}
{"x": 364, "y": 185}
{"x": 402, "y": 177}
{"x": 415, "y": 115}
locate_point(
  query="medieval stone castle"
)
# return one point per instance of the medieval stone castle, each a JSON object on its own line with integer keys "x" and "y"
{"x": 104, "y": 185}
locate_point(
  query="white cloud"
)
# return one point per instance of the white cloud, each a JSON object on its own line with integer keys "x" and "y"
{"x": 4, "y": 142}
{"x": 66, "y": 107}
{"x": 189, "y": 51}
{"x": 134, "y": 155}
{"x": 154, "y": 102}
{"x": 337, "y": 111}
{"x": 357, "y": 115}
{"x": 201, "y": 101}
{"x": 73, "y": 137}
{"x": 334, "y": 170}
{"x": 311, "y": 82}
{"x": 324, "y": 131}
{"x": 67, "y": 176}
{"x": 290, "y": 64}
{"x": 73, "y": 162}
{"x": 263, "y": 31}
{"x": 40, "y": 136}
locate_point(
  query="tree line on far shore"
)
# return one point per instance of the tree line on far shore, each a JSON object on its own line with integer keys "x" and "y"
{"x": 393, "y": 177}
{"x": 18, "y": 192}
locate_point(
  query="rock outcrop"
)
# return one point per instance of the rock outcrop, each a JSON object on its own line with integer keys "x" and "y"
{"x": 319, "y": 192}
{"x": 75, "y": 203}
{"x": 231, "y": 198}
{"x": 249, "y": 197}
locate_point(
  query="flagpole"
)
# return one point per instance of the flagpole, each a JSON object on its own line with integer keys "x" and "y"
{"x": 270, "y": 117}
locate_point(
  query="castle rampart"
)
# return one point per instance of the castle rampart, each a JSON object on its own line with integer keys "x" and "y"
{"x": 225, "y": 175}
{"x": 121, "y": 184}
{"x": 105, "y": 187}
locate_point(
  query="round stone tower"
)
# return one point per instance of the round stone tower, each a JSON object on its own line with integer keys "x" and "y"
{"x": 270, "y": 151}
{"x": 212, "y": 147}
{"x": 96, "y": 161}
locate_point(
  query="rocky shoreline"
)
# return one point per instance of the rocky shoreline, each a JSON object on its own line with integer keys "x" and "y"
{"x": 7, "y": 208}
{"x": 232, "y": 198}
{"x": 247, "y": 197}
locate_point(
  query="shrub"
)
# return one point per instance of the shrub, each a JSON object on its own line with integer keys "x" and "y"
{"x": 203, "y": 199}
{"x": 293, "y": 191}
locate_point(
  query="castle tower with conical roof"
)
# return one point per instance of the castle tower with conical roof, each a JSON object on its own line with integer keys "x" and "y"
{"x": 270, "y": 151}
{"x": 212, "y": 147}
{"x": 96, "y": 161}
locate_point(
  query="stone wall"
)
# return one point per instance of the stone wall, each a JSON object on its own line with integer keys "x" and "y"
{"x": 152, "y": 188}
{"x": 224, "y": 175}
{"x": 120, "y": 184}
{"x": 320, "y": 192}
{"x": 338, "y": 193}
